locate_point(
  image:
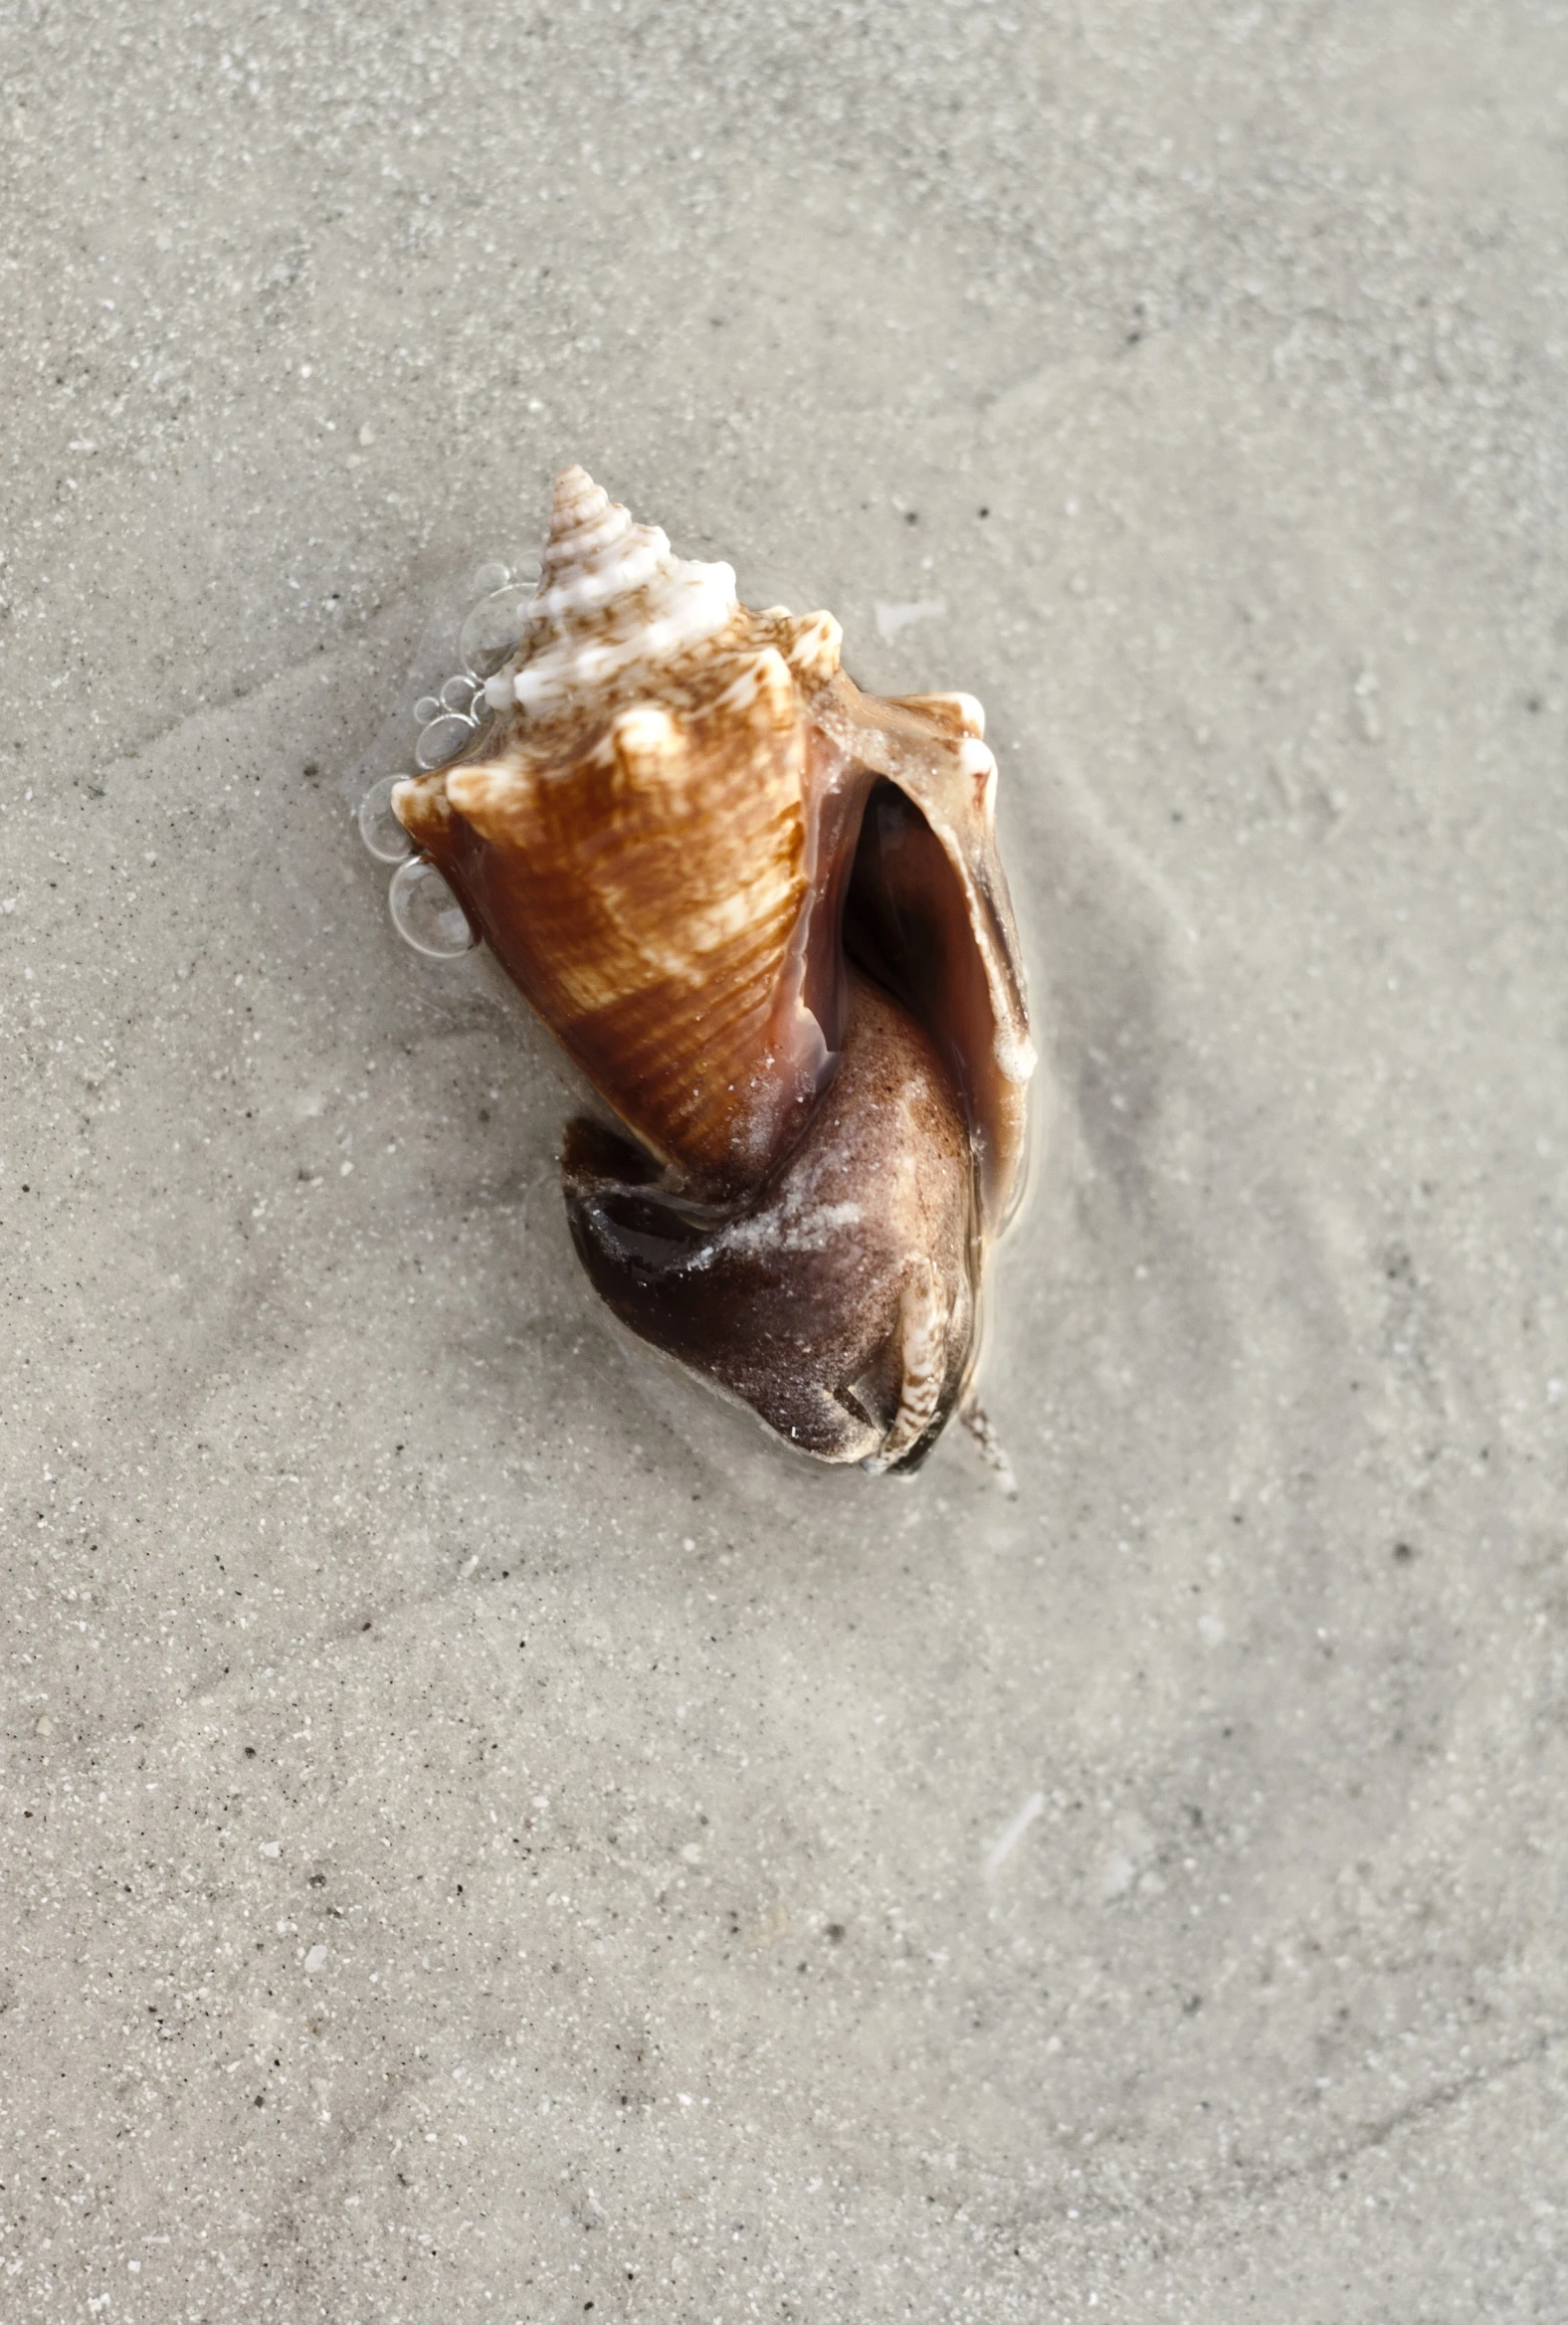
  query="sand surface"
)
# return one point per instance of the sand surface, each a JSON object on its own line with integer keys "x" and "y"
{"x": 484, "y": 1842}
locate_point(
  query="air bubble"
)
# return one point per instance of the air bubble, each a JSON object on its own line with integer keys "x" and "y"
{"x": 442, "y": 739}
{"x": 494, "y": 628}
{"x": 491, "y": 577}
{"x": 426, "y": 914}
{"x": 425, "y": 708}
{"x": 379, "y": 827}
{"x": 458, "y": 694}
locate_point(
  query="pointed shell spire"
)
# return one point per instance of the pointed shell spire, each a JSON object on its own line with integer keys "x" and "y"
{"x": 612, "y": 599}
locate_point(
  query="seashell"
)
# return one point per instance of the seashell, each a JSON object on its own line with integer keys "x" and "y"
{"x": 764, "y": 914}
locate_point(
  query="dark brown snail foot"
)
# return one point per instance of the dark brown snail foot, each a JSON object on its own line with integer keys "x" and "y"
{"x": 764, "y": 914}
{"x": 838, "y": 1301}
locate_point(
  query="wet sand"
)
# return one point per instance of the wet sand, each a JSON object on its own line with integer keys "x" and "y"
{"x": 483, "y": 1839}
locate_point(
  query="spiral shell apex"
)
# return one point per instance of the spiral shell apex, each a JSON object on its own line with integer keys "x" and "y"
{"x": 764, "y": 914}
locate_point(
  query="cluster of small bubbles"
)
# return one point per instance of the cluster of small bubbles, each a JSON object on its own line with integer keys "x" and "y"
{"x": 491, "y": 632}
{"x": 424, "y": 910}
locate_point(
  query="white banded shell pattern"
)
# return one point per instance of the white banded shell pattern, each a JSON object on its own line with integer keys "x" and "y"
{"x": 612, "y": 595}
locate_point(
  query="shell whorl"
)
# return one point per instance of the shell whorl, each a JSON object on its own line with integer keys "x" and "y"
{"x": 613, "y": 602}
{"x": 646, "y": 785}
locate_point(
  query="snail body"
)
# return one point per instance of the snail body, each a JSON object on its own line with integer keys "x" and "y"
{"x": 763, "y": 913}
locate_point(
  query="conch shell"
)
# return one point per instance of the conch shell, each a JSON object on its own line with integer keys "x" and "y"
{"x": 763, "y": 913}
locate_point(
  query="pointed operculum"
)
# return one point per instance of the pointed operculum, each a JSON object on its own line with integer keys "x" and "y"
{"x": 958, "y": 713}
{"x": 925, "y": 1311}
